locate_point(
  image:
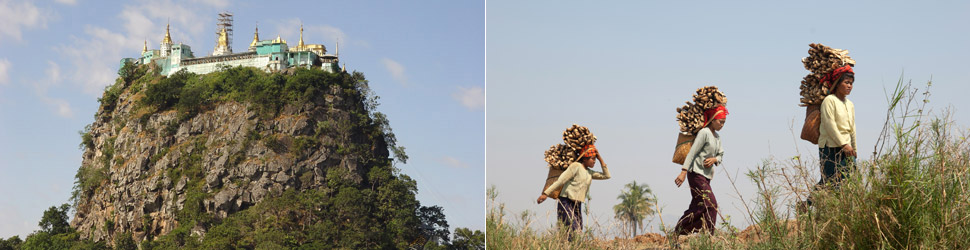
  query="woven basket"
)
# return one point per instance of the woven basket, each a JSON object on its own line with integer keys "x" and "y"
{"x": 684, "y": 142}
{"x": 813, "y": 119}
{"x": 552, "y": 177}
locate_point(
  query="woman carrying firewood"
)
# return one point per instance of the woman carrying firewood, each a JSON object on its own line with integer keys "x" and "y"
{"x": 576, "y": 180}
{"x": 836, "y": 140}
{"x": 698, "y": 169}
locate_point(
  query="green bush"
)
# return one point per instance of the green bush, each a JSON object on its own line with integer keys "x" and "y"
{"x": 110, "y": 98}
{"x": 86, "y": 181}
{"x": 166, "y": 92}
{"x": 303, "y": 143}
{"x": 275, "y": 143}
{"x": 87, "y": 140}
{"x": 108, "y": 152}
{"x": 125, "y": 242}
{"x": 55, "y": 233}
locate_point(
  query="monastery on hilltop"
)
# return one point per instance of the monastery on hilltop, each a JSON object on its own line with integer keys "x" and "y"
{"x": 269, "y": 55}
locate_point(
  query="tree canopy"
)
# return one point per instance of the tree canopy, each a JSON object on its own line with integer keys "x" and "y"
{"x": 636, "y": 203}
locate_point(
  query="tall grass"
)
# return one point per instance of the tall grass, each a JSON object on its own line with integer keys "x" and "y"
{"x": 504, "y": 231}
{"x": 911, "y": 193}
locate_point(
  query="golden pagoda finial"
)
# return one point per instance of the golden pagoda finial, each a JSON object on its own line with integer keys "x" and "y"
{"x": 300, "y": 45}
{"x": 255, "y": 37}
{"x": 168, "y": 37}
{"x": 145, "y": 49}
{"x": 278, "y": 39}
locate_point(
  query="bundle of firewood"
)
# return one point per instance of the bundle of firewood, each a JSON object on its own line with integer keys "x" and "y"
{"x": 820, "y": 61}
{"x": 559, "y": 156}
{"x": 576, "y": 137}
{"x": 690, "y": 117}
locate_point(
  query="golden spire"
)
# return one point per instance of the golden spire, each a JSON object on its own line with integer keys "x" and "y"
{"x": 255, "y": 38}
{"x": 300, "y": 45}
{"x": 223, "y": 39}
{"x": 145, "y": 49}
{"x": 279, "y": 40}
{"x": 168, "y": 37}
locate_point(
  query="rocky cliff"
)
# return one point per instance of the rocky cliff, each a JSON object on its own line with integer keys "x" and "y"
{"x": 184, "y": 153}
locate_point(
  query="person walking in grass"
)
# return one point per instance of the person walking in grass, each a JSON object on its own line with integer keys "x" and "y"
{"x": 836, "y": 140}
{"x": 575, "y": 186}
{"x": 698, "y": 169}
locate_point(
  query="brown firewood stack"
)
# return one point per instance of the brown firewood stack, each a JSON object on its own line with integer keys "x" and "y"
{"x": 559, "y": 156}
{"x": 690, "y": 117}
{"x": 820, "y": 61}
{"x": 578, "y": 136}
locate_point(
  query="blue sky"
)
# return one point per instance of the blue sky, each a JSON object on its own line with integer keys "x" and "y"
{"x": 622, "y": 68}
{"x": 426, "y": 60}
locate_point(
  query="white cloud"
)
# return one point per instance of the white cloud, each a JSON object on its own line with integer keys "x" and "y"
{"x": 95, "y": 56}
{"x": 453, "y": 162}
{"x": 4, "y": 71}
{"x": 329, "y": 33}
{"x": 213, "y": 3}
{"x": 182, "y": 17}
{"x": 15, "y": 16}
{"x": 138, "y": 25}
{"x": 68, "y": 2}
{"x": 53, "y": 74}
{"x": 61, "y": 106}
{"x": 396, "y": 70}
{"x": 96, "y": 59}
{"x": 472, "y": 98}
{"x": 147, "y": 19}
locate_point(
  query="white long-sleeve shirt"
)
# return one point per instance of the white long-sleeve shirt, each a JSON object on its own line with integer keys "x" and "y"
{"x": 706, "y": 145}
{"x": 837, "y": 127}
{"x": 575, "y": 181}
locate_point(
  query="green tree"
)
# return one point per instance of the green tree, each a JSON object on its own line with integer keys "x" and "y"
{"x": 12, "y": 243}
{"x": 466, "y": 239}
{"x": 55, "y": 220}
{"x": 166, "y": 92}
{"x": 56, "y": 233}
{"x": 434, "y": 227}
{"x": 635, "y": 205}
{"x": 125, "y": 242}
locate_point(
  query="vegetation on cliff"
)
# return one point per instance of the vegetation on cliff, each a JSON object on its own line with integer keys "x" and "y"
{"x": 335, "y": 185}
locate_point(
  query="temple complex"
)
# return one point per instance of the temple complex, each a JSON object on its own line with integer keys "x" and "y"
{"x": 268, "y": 55}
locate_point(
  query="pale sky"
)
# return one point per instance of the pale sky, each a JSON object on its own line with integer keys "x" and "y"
{"x": 426, "y": 60}
{"x": 622, "y": 68}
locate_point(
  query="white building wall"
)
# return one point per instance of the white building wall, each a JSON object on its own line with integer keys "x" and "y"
{"x": 259, "y": 62}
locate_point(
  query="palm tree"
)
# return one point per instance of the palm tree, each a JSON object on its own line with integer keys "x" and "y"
{"x": 636, "y": 203}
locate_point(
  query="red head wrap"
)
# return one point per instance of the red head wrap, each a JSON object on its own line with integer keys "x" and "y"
{"x": 719, "y": 112}
{"x": 589, "y": 151}
{"x": 831, "y": 77}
